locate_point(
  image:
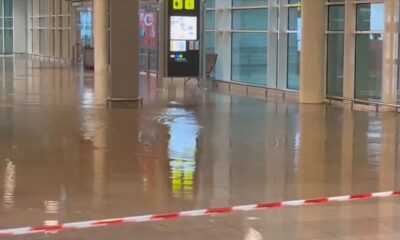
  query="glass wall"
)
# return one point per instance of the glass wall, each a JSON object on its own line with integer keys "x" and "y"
{"x": 369, "y": 50}
{"x": 50, "y": 28}
{"x": 250, "y": 41}
{"x": 294, "y": 45}
{"x": 249, "y": 58}
{"x": 262, "y": 39}
{"x": 148, "y": 22}
{"x": 335, "y": 50}
{"x": 85, "y": 26}
{"x": 209, "y": 37}
{"x": 6, "y": 27}
{"x": 355, "y": 49}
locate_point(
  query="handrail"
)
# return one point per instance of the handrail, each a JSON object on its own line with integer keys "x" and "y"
{"x": 360, "y": 101}
{"x": 329, "y": 98}
{"x": 247, "y": 85}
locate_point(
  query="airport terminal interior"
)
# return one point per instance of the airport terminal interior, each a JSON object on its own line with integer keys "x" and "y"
{"x": 199, "y": 119}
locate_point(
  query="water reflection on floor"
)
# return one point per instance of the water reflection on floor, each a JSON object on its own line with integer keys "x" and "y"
{"x": 65, "y": 156}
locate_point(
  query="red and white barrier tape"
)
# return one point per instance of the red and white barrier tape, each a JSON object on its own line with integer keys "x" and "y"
{"x": 195, "y": 213}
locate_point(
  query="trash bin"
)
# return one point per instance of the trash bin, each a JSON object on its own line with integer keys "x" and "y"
{"x": 88, "y": 58}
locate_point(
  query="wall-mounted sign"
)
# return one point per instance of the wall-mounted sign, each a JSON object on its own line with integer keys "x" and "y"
{"x": 178, "y": 4}
{"x": 190, "y": 5}
{"x": 184, "y": 4}
{"x": 183, "y": 58}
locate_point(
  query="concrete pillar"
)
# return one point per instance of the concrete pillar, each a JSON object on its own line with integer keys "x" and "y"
{"x": 124, "y": 83}
{"x": 20, "y": 26}
{"x": 100, "y": 12}
{"x": 349, "y": 50}
{"x": 390, "y": 52}
{"x": 312, "y": 69}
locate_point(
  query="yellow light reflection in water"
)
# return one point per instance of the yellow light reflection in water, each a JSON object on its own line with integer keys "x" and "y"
{"x": 184, "y": 131}
{"x": 182, "y": 173}
{"x": 10, "y": 182}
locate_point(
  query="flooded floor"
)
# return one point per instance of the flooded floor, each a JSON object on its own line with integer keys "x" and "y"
{"x": 65, "y": 156}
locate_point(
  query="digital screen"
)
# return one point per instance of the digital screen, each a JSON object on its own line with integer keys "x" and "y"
{"x": 178, "y": 46}
{"x": 183, "y": 28}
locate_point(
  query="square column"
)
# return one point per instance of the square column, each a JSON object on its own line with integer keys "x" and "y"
{"x": 124, "y": 82}
{"x": 100, "y": 15}
{"x": 312, "y": 68}
{"x": 390, "y": 52}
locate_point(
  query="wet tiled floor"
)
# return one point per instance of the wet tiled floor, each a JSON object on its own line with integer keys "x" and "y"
{"x": 65, "y": 156}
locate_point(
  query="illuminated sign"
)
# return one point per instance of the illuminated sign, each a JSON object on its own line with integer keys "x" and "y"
{"x": 183, "y": 28}
{"x": 189, "y": 5}
{"x": 178, "y": 4}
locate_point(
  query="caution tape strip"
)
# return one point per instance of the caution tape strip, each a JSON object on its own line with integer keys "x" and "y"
{"x": 194, "y": 213}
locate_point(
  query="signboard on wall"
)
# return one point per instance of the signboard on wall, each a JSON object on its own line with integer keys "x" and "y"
{"x": 183, "y": 48}
{"x": 148, "y": 29}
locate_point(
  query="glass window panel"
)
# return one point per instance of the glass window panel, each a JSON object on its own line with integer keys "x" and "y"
{"x": 368, "y": 66}
{"x": 250, "y": 19}
{"x": 8, "y": 41}
{"x": 43, "y": 41}
{"x": 294, "y": 1}
{"x": 242, "y": 3}
{"x": 210, "y": 20}
{"x": 42, "y": 7}
{"x": 1, "y": 8}
{"x": 61, "y": 43}
{"x": 8, "y": 8}
{"x": 293, "y": 60}
{"x": 210, "y": 42}
{"x": 210, "y": 3}
{"x": 1, "y": 41}
{"x": 398, "y": 73}
{"x": 249, "y": 57}
{"x": 42, "y": 22}
{"x": 294, "y": 22}
{"x": 8, "y": 22}
{"x": 370, "y": 17}
{"x": 335, "y": 65}
{"x": 336, "y": 18}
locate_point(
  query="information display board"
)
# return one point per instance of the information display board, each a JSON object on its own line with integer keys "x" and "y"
{"x": 183, "y": 48}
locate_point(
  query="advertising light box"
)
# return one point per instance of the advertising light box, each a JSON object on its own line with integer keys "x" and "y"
{"x": 183, "y": 48}
{"x": 183, "y": 28}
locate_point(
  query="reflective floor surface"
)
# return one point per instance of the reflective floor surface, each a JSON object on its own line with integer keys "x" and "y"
{"x": 65, "y": 156}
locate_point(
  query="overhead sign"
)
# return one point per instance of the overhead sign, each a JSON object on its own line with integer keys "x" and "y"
{"x": 183, "y": 58}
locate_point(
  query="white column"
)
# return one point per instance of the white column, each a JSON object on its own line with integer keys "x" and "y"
{"x": 312, "y": 69}
{"x": 390, "y": 52}
{"x": 349, "y": 50}
{"x": 223, "y": 45}
{"x": 100, "y": 15}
